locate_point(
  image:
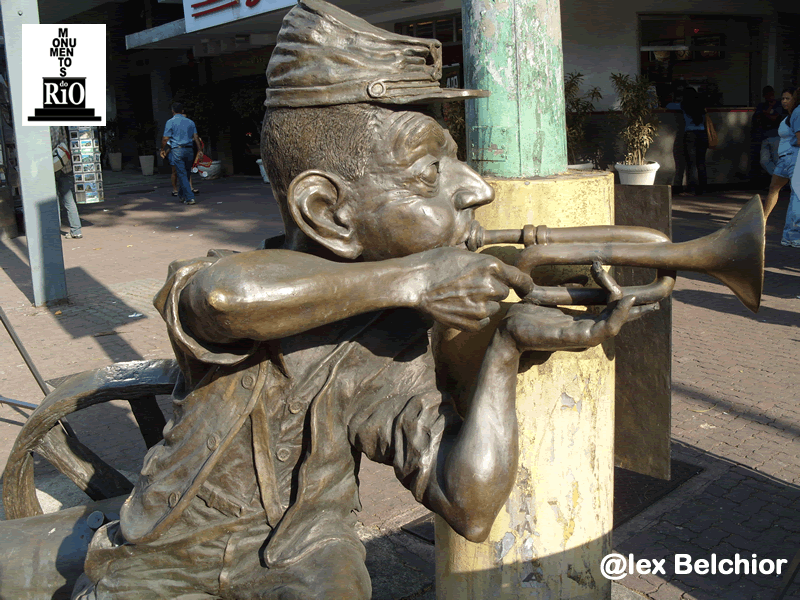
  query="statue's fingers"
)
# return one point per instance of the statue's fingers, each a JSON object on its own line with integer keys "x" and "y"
{"x": 517, "y": 280}
{"x": 605, "y": 281}
{"x": 638, "y": 311}
{"x": 609, "y": 324}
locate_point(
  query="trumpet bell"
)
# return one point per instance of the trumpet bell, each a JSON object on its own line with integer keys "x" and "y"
{"x": 734, "y": 255}
{"x": 743, "y": 240}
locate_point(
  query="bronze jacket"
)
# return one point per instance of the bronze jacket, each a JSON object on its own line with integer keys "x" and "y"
{"x": 314, "y": 402}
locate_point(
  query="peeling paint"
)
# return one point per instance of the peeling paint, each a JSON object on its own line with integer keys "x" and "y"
{"x": 576, "y": 495}
{"x": 527, "y": 549}
{"x": 511, "y": 50}
{"x": 583, "y": 577}
{"x": 504, "y": 545}
{"x": 559, "y": 513}
{"x": 568, "y": 531}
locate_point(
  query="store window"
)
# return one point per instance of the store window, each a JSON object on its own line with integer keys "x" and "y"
{"x": 446, "y": 29}
{"x": 718, "y": 55}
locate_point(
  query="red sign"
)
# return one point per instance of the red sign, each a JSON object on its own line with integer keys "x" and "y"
{"x": 211, "y": 6}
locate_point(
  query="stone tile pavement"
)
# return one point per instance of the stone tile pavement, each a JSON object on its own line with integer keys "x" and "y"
{"x": 736, "y": 408}
{"x": 736, "y": 412}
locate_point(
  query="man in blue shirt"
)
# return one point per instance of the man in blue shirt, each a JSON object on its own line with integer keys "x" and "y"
{"x": 179, "y": 134}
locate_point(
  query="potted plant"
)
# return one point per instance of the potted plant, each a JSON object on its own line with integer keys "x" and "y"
{"x": 636, "y": 104}
{"x": 578, "y": 108}
{"x": 145, "y": 136}
{"x": 111, "y": 145}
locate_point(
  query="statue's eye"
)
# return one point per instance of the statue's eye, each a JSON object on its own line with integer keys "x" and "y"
{"x": 430, "y": 174}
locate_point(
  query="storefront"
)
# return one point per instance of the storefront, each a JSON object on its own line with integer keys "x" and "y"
{"x": 727, "y": 50}
{"x": 717, "y": 55}
{"x": 215, "y": 60}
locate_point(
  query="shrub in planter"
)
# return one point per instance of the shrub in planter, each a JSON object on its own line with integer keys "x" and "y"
{"x": 578, "y": 108}
{"x": 640, "y": 125}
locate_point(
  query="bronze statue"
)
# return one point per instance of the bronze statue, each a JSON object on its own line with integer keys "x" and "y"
{"x": 299, "y": 357}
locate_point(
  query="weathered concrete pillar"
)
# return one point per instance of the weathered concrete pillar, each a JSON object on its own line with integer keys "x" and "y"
{"x": 549, "y": 539}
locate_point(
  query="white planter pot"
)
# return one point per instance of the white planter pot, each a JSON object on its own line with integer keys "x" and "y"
{"x": 581, "y": 167}
{"x": 261, "y": 168}
{"x": 147, "y": 163}
{"x": 214, "y": 171}
{"x": 637, "y": 174}
{"x": 115, "y": 161}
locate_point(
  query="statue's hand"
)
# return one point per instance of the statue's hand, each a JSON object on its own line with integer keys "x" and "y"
{"x": 535, "y": 327}
{"x": 462, "y": 289}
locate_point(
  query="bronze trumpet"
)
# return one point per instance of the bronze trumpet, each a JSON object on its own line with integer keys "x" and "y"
{"x": 734, "y": 255}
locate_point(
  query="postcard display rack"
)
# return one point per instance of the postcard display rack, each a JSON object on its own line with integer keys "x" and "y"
{"x": 84, "y": 142}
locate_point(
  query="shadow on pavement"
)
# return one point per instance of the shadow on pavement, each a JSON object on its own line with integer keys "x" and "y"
{"x": 789, "y": 427}
{"x": 725, "y": 302}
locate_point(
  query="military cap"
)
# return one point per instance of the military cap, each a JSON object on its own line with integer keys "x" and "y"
{"x": 325, "y": 56}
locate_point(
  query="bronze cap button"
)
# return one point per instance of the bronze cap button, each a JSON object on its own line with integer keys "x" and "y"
{"x": 212, "y": 442}
{"x": 283, "y": 454}
{"x": 248, "y": 381}
{"x": 173, "y": 499}
{"x": 295, "y": 407}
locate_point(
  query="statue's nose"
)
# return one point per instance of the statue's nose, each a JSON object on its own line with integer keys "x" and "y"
{"x": 473, "y": 191}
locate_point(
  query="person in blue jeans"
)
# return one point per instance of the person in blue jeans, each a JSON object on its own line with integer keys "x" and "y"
{"x": 179, "y": 133}
{"x": 695, "y": 140}
{"x": 64, "y": 182}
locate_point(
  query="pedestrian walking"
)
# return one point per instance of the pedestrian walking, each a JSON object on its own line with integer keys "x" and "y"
{"x": 766, "y": 119}
{"x": 789, "y": 131}
{"x": 695, "y": 140}
{"x": 179, "y": 134}
{"x": 62, "y": 165}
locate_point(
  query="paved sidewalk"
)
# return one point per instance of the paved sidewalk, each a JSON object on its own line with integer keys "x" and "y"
{"x": 736, "y": 412}
{"x": 736, "y": 378}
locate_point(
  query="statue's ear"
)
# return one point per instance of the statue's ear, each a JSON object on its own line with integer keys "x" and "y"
{"x": 316, "y": 200}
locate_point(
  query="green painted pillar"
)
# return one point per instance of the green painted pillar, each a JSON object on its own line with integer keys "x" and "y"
{"x": 513, "y": 49}
{"x": 548, "y": 541}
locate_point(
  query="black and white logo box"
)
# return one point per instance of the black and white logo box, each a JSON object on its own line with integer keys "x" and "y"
{"x": 64, "y": 74}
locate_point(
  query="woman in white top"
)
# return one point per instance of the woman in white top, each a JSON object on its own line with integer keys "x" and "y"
{"x": 787, "y": 150}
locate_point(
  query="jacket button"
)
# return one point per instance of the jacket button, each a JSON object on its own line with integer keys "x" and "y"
{"x": 212, "y": 442}
{"x": 295, "y": 407}
{"x": 283, "y": 454}
{"x": 248, "y": 381}
{"x": 173, "y": 499}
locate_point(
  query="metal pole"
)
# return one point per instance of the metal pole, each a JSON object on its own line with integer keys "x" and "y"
{"x": 549, "y": 538}
{"x": 25, "y": 356}
{"x": 513, "y": 49}
{"x": 37, "y": 182}
{"x": 34, "y": 371}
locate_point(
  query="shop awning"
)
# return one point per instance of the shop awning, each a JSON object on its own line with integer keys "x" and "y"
{"x": 262, "y": 29}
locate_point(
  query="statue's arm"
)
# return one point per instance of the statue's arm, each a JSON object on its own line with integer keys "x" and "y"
{"x": 271, "y": 294}
{"x": 476, "y": 469}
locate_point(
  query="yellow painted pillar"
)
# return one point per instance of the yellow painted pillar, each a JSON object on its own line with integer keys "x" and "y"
{"x": 549, "y": 539}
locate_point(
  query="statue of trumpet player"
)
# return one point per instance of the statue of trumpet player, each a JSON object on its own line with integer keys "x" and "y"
{"x": 300, "y": 357}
